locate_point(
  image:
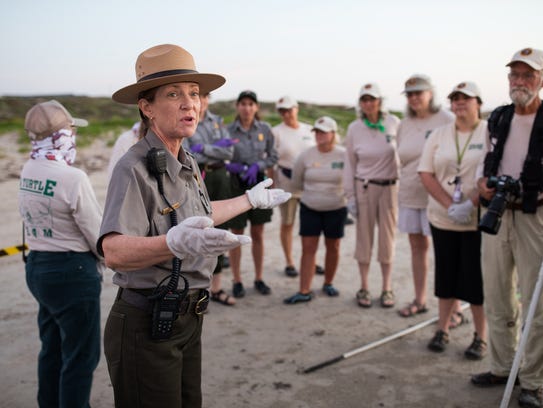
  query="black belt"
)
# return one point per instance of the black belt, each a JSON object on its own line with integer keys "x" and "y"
{"x": 213, "y": 166}
{"x": 518, "y": 206}
{"x": 196, "y": 300}
{"x": 378, "y": 182}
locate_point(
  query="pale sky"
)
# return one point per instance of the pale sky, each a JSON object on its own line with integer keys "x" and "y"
{"x": 316, "y": 51}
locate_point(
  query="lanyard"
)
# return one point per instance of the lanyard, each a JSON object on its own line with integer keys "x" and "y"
{"x": 460, "y": 154}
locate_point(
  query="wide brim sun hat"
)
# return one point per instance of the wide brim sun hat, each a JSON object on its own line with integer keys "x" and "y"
{"x": 165, "y": 64}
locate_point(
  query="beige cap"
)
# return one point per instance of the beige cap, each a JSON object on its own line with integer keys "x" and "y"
{"x": 45, "y": 118}
{"x": 286, "y": 102}
{"x": 325, "y": 124}
{"x": 370, "y": 89}
{"x": 418, "y": 82}
{"x": 530, "y": 56}
{"x": 467, "y": 88}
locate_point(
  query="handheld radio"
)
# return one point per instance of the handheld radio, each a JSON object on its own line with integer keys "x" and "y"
{"x": 166, "y": 299}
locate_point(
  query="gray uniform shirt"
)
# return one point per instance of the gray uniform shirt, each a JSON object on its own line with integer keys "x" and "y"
{"x": 209, "y": 130}
{"x": 135, "y": 207}
{"x": 255, "y": 145}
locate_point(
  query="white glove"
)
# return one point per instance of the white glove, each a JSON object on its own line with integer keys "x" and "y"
{"x": 195, "y": 237}
{"x": 261, "y": 197}
{"x": 461, "y": 213}
{"x": 352, "y": 208}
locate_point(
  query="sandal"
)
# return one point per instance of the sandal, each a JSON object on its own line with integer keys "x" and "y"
{"x": 363, "y": 298}
{"x": 457, "y": 320}
{"x": 387, "y": 298}
{"x": 412, "y": 309}
{"x": 223, "y": 298}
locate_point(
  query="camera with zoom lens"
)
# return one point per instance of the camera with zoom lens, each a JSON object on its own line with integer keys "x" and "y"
{"x": 507, "y": 189}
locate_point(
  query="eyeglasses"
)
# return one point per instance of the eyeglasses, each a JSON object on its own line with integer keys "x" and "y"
{"x": 526, "y": 76}
{"x": 282, "y": 111}
{"x": 367, "y": 99}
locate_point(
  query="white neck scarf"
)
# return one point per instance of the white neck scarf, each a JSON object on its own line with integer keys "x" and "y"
{"x": 60, "y": 146}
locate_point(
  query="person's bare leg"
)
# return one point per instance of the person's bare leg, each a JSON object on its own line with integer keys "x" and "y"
{"x": 364, "y": 270}
{"x": 331, "y": 259}
{"x": 257, "y": 235}
{"x": 446, "y": 307}
{"x": 235, "y": 258}
{"x": 386, "y": 271}
{"x": 216, "y": 288}
{"x": 307, "y": 264}
{"x": 479, "y": 321}
{"x": 419, "y": 244}
{"x": 286, "y": 243}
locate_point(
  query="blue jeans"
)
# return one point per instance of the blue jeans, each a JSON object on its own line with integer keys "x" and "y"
{"x": 67, "y": 287}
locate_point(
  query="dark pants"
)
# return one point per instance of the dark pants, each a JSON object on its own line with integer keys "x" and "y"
{"x": 146, "y": 373}
{"x": 67, "y": 287}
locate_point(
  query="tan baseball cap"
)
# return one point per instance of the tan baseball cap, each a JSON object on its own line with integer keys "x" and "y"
{"x": 325, "y": 124}
{"x": 45, "y": 118}
{"x": 370, "y": 89}
{"x": 530, "y": 56}
{"x": 467, "y": 88}
{"x": 418, "y": 82}
{"x": 286, "y": 102}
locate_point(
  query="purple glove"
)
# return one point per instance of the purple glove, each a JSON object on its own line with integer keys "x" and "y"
{"x": 235, "y": 168}
{"x": 197, "y": 148}
{"x": 224, "y": 143}
{"x": 251, "y": 174}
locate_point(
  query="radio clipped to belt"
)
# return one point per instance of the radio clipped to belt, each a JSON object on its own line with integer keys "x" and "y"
{"x": 166, "y": 299}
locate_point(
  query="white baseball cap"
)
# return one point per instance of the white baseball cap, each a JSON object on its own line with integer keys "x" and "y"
{"x": 418, "y": 82}
{"x": 530, "y": 56}
{"x": 370, "y": 89}
{"x": 325, "y": 124}
{"x": 467, "y": 88}
{"x": 286, "y": 102}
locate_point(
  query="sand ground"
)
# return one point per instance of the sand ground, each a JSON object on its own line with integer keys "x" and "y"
{"x": 254, "y": 353}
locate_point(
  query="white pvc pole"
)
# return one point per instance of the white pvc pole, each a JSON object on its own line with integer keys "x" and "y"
{"x": 523, "y": 339}
{"x": 376, "y": 343}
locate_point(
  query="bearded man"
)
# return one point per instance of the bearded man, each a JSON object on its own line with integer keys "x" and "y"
{"x": 512, "y": 255}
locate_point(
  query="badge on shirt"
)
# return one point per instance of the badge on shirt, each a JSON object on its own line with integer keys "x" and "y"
{"x": 260, "y": 137}
{"x": 337, "y": 165}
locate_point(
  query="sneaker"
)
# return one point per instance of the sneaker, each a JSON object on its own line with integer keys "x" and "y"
{"x": 262, "y": 287}
{"x": 349, "y": 221}
{"x": 487, "y": 379}
{"x": 291, "y": 271}
{"x": 439, "y": 341}
{"x": 238, "y": 290}
{"x": 298, "y": 298}
{"x": 531, "y": 398}
{"x": 477, "y": 348}
{"x": 329, "y": 289}
{"x": 319, "y": 270}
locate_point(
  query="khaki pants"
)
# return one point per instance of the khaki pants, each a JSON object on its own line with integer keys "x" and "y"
{"x": 512, "y": 259}
{"x": 146, "y": 373}
{"x": 376, "y": 205}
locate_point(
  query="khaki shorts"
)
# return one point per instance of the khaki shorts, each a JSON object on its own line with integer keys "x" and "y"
{"x": 288, "y": 211}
